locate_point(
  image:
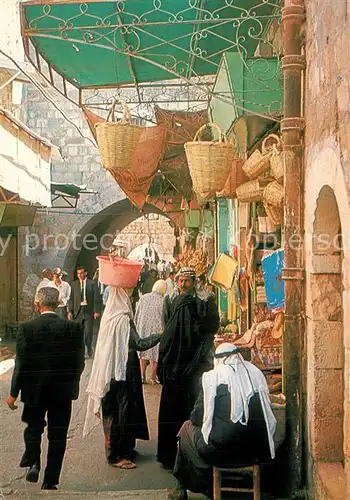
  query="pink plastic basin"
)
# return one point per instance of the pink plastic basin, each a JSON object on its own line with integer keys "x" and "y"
{"x": 117, "y": 271}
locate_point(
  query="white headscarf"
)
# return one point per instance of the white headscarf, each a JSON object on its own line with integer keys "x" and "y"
{"x": 160, "y": 286}
{"x": 111, "y": 354}
{"x": 243, "y": 380}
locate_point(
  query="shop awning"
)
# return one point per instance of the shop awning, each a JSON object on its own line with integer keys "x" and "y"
{"x": 114, "y": 42}
{"x": 16, "y": 214}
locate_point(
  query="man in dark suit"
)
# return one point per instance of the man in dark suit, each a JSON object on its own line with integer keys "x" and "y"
{"x": 49, "y": 363}
{"x": 84, "y": 305}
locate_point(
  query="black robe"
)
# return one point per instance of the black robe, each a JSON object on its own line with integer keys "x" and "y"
{"x": 123, "y": 408}
{"x": 184, "y": 354}
{"x": 229, "y": 444}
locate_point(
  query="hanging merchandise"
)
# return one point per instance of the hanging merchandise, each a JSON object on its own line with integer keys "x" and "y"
{"x": 224, "y": 272}
{"x": 275, "y": 214}
{"x": 277, "y": 160}
{"x": 250, "y": 191}
{"x": 273, "y": 194}
{"x": 266, "y": 225}
{"x": 236, "y": 178}
{"x": 272, "y": 267}
{"x": 209, "y": 162}
{"x": 117, "y": 140}
{"x": 259, "y": 162}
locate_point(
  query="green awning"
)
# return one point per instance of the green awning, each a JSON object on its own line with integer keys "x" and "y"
{"x": 114, "y": 42}
{"x": 16, "y": 214}
{"x": 254, "y": 90}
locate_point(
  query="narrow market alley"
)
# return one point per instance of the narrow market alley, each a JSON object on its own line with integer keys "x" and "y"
{"x": 85, "y": 468}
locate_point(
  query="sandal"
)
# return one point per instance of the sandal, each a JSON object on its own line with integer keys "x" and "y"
{"x": 124, "y": 464}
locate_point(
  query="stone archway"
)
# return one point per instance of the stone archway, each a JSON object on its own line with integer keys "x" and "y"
{"x": 99, "y": 232}
{"x": 328, "y": 317}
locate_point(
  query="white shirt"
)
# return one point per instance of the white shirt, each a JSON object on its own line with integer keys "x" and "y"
{"x": 43, "y": 283}
{"x": 64, "y": 289}
{"x": 83, "y": 287}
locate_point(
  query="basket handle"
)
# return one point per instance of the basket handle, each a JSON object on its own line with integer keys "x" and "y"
{"x": 126, "y": 118}
{"x": 265, "y": 149}
{"x": 222, "y": 138}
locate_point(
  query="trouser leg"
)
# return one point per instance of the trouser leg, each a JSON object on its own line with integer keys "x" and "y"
{"x": 34, "y": 417}
{"x": 58, "y": 418}
{"x": 88, "y": 334}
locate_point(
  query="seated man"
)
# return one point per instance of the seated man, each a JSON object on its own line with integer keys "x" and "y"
{"x": 232, "y": 424}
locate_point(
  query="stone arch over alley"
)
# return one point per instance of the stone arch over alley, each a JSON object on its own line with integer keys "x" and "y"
{"x": 328, "y": 311}
{"x": 102, "y": 229}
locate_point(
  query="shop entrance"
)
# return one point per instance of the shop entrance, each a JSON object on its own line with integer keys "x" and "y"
{"x": 326, "y": 349}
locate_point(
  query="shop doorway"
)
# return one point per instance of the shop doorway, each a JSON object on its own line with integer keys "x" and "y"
{"x": 326, "y": 384}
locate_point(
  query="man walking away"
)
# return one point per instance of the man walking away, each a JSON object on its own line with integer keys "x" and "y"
{"x": 84, "y": 305}
{"x": 49, "y": 363}
{"x": 64, "y": 290}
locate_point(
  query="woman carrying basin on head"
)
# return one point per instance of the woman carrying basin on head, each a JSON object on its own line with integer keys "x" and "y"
{"x": 115, "y": 387}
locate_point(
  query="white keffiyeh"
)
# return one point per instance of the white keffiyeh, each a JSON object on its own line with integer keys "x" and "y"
{"x": 111, "y": 354}
{"x": 243, "y": 380}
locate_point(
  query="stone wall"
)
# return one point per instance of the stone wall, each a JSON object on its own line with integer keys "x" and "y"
{"x": 327, "y": 150}
{"x": 47, "y": 243}
{"x": 160, "y": 234}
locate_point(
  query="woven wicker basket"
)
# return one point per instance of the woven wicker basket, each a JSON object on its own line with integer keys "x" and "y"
{"x": 259, "y": 162}
{"x": 275, "y": 214}
{"x": 277, "y": 160}
{"x": 250, "y": 191}
{"x": 266, "y": 226}
{"x": 209, "y": 163}
{"x": 273, "y": 194}
{"x": 117, "y": 141}
{"x": 235, "y": 179}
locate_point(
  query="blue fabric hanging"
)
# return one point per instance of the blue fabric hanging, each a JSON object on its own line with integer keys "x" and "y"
{"x": 274, "y": 285}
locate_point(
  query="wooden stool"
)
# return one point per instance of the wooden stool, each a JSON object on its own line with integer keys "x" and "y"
{"x": 217, "y": 480}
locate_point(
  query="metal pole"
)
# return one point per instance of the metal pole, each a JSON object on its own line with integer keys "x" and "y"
{"x": 293, "y": 64}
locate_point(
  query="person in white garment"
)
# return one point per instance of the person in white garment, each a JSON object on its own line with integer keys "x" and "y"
{"x": 65, "y": 290}
{"x": 47, "y": 277}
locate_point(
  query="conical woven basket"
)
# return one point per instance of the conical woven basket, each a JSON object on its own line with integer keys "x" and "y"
{"x": 209, "y": 163}
{"x": 117, "y": 141}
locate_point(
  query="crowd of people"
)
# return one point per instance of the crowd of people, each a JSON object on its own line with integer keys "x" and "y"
{"x": 214, "y": 407}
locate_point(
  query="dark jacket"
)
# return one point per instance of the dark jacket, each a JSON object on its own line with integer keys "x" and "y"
{"x": 49, "y": 359}
{"x": 229, "y": 443}
{"x": 93, "y": 298}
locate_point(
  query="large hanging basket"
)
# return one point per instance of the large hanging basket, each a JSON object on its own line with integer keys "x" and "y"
{"x": 209, "y": 163}
{"x": 273, "y": 194}
{"x": 235, "y": 179}
{"x": 250, "y": 191}
{"x": 117, "y": 141}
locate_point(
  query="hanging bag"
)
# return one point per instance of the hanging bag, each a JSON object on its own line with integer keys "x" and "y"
{"x": 117, "y": 141}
